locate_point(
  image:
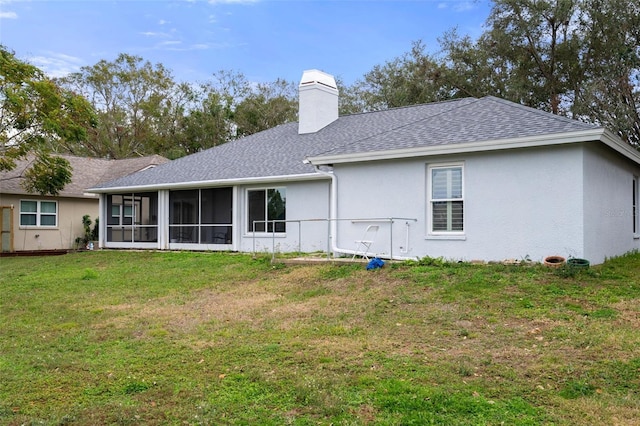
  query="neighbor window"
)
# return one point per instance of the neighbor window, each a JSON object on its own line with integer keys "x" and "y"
{"x": 38, "y": 213}
{"x": 446, "y": 201}
{"x": 267, "y": 210}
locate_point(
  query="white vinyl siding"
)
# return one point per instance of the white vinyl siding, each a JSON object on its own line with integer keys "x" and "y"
{"x": 446, "y": 199}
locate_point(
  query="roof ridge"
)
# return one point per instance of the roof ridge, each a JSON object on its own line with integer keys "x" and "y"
{"x": 471, "y": 100}
{"x": 409, "y": 106}
{"x": 537, "y": 111}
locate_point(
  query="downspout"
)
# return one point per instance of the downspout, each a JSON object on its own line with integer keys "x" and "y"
{"x": 333, "y": 214}
{"x": 333, "y": 208}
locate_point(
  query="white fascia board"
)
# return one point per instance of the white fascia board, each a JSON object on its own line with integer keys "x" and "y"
{"x": 76, "y": 196}
{"x": 211, "y": 183}
{"x": 615, "y": 143}
{"x": 598, "y": 134}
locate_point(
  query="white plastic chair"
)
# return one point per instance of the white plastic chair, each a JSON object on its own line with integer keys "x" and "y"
{"x": 364, "y": 244}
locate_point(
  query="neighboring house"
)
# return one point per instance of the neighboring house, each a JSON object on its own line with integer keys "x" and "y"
{"x": 468, "y": 179}
{"x": 35, "y": 222}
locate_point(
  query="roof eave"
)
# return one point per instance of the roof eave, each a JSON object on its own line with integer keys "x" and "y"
{"x": 75, "y": 195}
{"x": 598, "y": 134}
{"x": 212, "y": 183}
{"x": 618, "y": 145}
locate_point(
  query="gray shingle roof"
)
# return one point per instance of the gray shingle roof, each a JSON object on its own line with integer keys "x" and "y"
{"x": 87, "y": 173}
{"x": 280, "y": 151}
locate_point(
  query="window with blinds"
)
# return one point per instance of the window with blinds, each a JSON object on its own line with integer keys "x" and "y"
{"x": 446, "y": 199}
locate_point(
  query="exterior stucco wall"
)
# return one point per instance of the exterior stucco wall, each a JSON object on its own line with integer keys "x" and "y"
{"x": 571, "y": 200}
{"x": 61, "y": 237}
{"x": 305, "y": 200}
{"x": 516, "y": 203}
{"x": 608, "y": 204}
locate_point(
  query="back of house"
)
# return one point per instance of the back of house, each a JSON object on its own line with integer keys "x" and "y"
{"x": 467, "y": 179}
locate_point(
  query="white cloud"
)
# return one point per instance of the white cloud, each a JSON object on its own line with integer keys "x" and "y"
{"x": 457, "y": 5}
{"x": 154, "y": 34}
{"x": 170, "y": 43}
{"x": 463, "y": 6}
{"x": 163, "y": 22}
{"x": 233, "y": 1}
{"x": 178, "y": 47}
{"x": 8, "y": 15}
{"x": 57, "y": 64}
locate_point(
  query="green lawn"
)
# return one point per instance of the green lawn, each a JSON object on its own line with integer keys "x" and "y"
{"x": 123, "y": 338}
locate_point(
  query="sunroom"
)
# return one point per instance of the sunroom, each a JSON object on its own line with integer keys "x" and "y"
{"x": 194, "y": 219}
{"x": 175, "y": 219}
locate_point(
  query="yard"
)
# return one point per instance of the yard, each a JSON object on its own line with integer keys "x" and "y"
{"x": 124, "y": 338}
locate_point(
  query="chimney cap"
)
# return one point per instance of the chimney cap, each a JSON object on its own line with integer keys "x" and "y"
{"x": 317, "y": 76}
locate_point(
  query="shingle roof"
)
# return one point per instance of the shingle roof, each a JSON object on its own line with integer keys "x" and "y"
{"x": 472, "y": 120}
{"x": 87, "y": 173}
{"x": 280, "y": 151}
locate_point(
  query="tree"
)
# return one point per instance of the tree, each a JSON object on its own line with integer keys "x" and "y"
{"x": 473, "y": 68}
{"x": 579, "y": 58}
{"x": 229, "y": 107}
{"x": 36, "y": 117}
{"x": 142, "y": 110}
{"x": 207, "y": 124}
{"x": 537, "y": 42}
{"x": 409, "y": 79}
{"x": 610, "y": 93}
{"x": 138, "y": 106}
{"x": 265, "y": 106}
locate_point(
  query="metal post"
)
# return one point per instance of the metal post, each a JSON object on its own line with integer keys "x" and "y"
{"x": 328, "y": 222}
{"x": 391, "y": 238}
{"x": 253, "y": 234}
{"x": 273, "y": 240}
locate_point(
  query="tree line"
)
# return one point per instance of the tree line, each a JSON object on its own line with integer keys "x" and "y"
{"x": 575, "y": 58}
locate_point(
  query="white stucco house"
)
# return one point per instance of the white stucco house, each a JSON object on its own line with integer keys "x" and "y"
{"x": 467, "y": 179}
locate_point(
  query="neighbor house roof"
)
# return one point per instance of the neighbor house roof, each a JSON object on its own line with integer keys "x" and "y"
{"x": 86, "y": 173}
{"x": 278, "y": 153}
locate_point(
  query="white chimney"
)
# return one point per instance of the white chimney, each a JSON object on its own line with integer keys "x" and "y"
{"x": 318, "y": 101}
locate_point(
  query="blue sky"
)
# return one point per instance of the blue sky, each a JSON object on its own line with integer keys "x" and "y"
{"x": 263, "y": 39}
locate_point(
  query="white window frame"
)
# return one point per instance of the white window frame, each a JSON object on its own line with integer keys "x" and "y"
{"x": 266, "y": 231}
{"x": 199, "y": 225}
{"x": 131, "y": 214}
{"x": 456, "y": 234}
{"x": 38, "y": 214}
{"x": 119, "y": 215}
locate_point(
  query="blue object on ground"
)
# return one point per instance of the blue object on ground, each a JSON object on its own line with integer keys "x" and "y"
{"x": 375, "y": 263}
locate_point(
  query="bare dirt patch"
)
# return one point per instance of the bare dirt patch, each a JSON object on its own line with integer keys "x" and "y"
{"x": 204, "y": 306}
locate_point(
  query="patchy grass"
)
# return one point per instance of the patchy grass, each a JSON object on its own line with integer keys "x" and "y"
{"x": 205, "y": 338}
